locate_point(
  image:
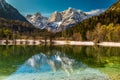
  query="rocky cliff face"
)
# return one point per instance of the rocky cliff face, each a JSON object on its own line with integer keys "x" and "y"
{"x": 37, "y": 20}
{"x": 55, "y": 17}
{"x": 63, "y": 20}
{"x": 58, "y": 21}
{"x": 9, "y": 12}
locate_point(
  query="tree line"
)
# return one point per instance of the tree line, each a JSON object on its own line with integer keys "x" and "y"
{"x": 105, "y": 27}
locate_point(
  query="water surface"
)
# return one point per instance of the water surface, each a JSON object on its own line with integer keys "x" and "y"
{"x": 59, "y": 63}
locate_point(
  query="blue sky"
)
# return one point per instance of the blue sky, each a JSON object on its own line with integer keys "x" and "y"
{"x": 46, "y": 7}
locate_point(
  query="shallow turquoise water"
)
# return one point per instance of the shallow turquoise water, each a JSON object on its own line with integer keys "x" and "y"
{"x": 59, "y": 63}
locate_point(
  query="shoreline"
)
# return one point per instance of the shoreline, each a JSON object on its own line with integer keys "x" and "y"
{"x": 111, "y": 44}
{"x": 58, "y": 42}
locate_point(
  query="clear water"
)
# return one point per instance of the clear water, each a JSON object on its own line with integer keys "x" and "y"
{"x": 59, "y": 63}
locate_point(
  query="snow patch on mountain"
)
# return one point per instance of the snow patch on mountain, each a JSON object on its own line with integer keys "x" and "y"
{"x": 37, "y": 20}
{"x": 59, "y": 21}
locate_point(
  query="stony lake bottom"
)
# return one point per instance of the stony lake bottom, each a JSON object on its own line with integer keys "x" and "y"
{"x": 59, "y": 63}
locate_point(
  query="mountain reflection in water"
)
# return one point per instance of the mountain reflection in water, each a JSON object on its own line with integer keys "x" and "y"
{"x": 57, "y": 66}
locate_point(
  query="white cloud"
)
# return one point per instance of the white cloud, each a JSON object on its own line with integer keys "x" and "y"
{"x": 95, "y": 12}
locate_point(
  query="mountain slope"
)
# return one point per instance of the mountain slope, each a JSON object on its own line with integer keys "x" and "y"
{"x": 58, "y": 21}
{"x": 111, "y": 16}
{"x": 62, "y": 20}
{"x": 13, "y": 24}
{"x": 19, "y": 28}
{"x": 9, "y": 12}
{"x": 55, "y": 17}
{"x": 37, "y": 20}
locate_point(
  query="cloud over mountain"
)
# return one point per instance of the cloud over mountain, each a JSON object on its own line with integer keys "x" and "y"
{"x": 95, "y": 12}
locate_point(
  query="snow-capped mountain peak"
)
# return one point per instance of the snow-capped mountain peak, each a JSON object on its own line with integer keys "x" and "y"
{"x": 55, "y": 17}
{"x": 59, "y": 21}
{"x": 37, "y": 20}
{"x": 65, "y": 19}
{"x": 36, "y": 15}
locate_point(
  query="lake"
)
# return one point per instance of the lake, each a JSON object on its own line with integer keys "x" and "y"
{"x": 59, "y": 63}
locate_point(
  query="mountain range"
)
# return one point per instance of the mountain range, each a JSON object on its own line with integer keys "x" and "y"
{"x": 60, "y": 21}
{"x": 71, "y": 23}
{"x": 104, "y": 27}
{"x": 57, "y": 22}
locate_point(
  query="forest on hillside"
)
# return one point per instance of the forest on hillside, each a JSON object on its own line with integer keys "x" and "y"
{"x": 14, "y": 29}
{"x": 105, "y": 27}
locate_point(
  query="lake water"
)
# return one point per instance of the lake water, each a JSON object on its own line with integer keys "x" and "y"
{"x": 59, "y": 63}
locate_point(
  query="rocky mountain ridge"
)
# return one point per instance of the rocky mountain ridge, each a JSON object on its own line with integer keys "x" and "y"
{"x": 58, "y": 21}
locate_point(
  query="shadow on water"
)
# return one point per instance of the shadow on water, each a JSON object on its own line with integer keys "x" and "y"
{"x": 56, "y": 62}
